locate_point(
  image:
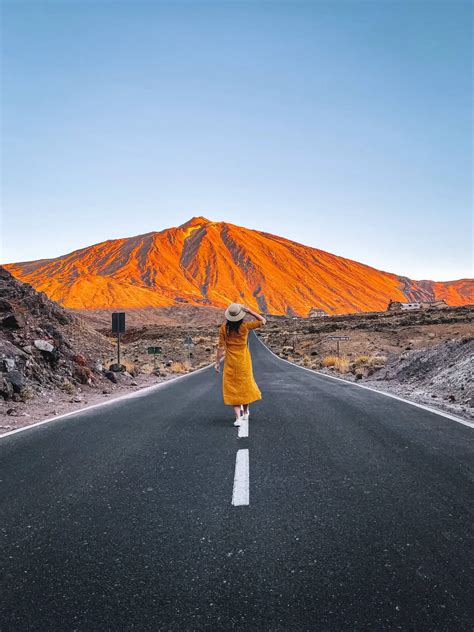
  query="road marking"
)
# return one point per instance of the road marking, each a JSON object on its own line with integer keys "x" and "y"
{"x": 240, "y": 494}
{"x": 136, "y": 394}
{"x": 436, "y": 411}
{"x": 243, "y": 429}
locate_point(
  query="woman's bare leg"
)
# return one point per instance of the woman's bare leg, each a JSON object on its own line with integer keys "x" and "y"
{"x": 246, "y": 408}
{"x": 237, "y": 411}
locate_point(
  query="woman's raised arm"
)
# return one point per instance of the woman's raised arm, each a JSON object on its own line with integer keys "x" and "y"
{"x": 258, "y": 316}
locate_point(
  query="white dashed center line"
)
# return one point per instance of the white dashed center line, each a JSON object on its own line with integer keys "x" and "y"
{"x": 240, "y": 495}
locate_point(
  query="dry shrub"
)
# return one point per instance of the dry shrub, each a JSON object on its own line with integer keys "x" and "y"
{"x": 306, "y": 361}
{"x": 329, "y": 360}
{"x": 363, "y": 359}
{"x": 179, "y": 367}
{"x": 378, "y": 361}
{"x": 342, "y": 365}
{"x": 129, "y": 366}
{"x": 26, "y": 393}
{"x": 68, "y": 387}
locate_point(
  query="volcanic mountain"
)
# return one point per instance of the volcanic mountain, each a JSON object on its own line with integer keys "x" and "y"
{"x": 204, "y": 263}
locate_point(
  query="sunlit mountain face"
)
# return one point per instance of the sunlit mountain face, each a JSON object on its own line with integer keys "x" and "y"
{"x": 214, "y": 263}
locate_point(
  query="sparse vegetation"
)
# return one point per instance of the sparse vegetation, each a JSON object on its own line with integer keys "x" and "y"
{"x": 179, "y": 367}
{"x": 68, "y": 387}
{"x": 26, "y": 393}
{"x": 341, "y": 364}
{"x": 329, "y": 360}
{"x": 378, "y": 360}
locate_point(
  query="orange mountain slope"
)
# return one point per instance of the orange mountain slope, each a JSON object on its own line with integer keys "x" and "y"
{"x": 214, "y": 263}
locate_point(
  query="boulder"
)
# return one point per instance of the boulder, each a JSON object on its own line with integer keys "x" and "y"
{"x": 16, "y": 379}
{"x": 110, "y": 375}
{"x": 8, "y": 364}
{"x": 117, "y": 368}
{"x": 44, "y": 345}
{"x": 6, "y": 387}
{"x": 14, "y": 321}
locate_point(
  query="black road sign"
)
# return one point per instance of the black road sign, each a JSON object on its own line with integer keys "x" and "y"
{"x": 154, "y": 350}
{"x": 338, "y": 337}
{"x": 118, "y": 322}
{"x": 188, "y": 341}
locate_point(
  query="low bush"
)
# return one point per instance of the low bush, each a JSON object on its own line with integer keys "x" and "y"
{"x": 26, "y": 393}
{"x": 378, "y": 361}
{"x": 179, "y": 367}
{"x": 362, "y": 359}
{"x": 329, "y": 360}
{"x": 341, "y": 364}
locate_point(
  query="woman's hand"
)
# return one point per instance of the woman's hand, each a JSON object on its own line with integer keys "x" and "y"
{"x": 217, "y": 367}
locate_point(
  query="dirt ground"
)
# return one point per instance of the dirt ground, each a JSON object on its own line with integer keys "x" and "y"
{"x": 404, "y": 343}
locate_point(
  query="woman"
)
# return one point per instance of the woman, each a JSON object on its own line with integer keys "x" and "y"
{"x": 238, "y": 386}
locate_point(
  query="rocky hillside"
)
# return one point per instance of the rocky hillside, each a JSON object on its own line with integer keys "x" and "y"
{"x": 42, "y": 345}
{"x": 442, "y": 375}
{"x": 425, "y": 355}
{"x": 204, "y": 263}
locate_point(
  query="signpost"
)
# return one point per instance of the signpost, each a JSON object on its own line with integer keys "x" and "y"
{"x": 154, "y": 351}
{"x": 338, "y": 339}
{"x": 188, "y": 342}
{"x": 118, "y": 327}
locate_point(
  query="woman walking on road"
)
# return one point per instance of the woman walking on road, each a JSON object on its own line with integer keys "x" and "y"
{"x": 238, "y": 385}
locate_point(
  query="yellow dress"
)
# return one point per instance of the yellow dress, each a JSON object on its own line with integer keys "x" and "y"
{"x": 238, "y": 384}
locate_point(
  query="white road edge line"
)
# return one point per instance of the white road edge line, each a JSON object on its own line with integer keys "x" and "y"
{"x": 243, "y": 429}
{"x": 240, "y": 494}
{"x": 139, "y": 393}
{"x": 441, "y": 413}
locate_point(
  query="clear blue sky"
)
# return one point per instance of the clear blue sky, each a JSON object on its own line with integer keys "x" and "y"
{"x": 342, "y": 125}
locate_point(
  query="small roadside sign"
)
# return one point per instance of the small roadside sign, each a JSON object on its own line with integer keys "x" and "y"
{"x": 118, "y": 327}
{"x": 118, "y": 322}
{"x": 188, "y": 343}
{"x": 338, "y": 340}
{"x": 154, "y": 350}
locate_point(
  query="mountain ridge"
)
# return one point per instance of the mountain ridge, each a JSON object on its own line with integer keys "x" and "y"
{"x": 202, "y": 262}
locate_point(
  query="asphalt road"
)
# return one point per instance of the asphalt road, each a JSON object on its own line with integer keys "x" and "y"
{"x": 120, "y": 518}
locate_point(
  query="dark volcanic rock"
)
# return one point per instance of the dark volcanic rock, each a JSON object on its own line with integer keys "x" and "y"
{"x": 14, "y": 321}
{"x": 16, "y": 379}
{"x": 110, "y": 375}
{"x": 38, "y": 341}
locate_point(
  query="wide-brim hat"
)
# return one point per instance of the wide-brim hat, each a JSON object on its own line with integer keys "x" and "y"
{"x": 234, "y": 312}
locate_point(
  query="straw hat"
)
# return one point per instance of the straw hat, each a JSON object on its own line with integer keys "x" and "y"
{"x": 234, "y": 312}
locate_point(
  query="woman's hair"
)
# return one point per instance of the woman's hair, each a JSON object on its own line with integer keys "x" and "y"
{"x": 232, "y": 326}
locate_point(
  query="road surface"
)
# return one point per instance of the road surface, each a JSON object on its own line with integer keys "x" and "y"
{"x": 121, "y": 517}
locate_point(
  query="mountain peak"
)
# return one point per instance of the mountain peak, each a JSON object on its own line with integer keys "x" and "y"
{"x": 200, "y": 263}
{"x": 199, "y": 220}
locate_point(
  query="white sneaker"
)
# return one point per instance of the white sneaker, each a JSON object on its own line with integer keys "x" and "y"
{"x": 245, "y": 416}
{"x": 237, "y": 421}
